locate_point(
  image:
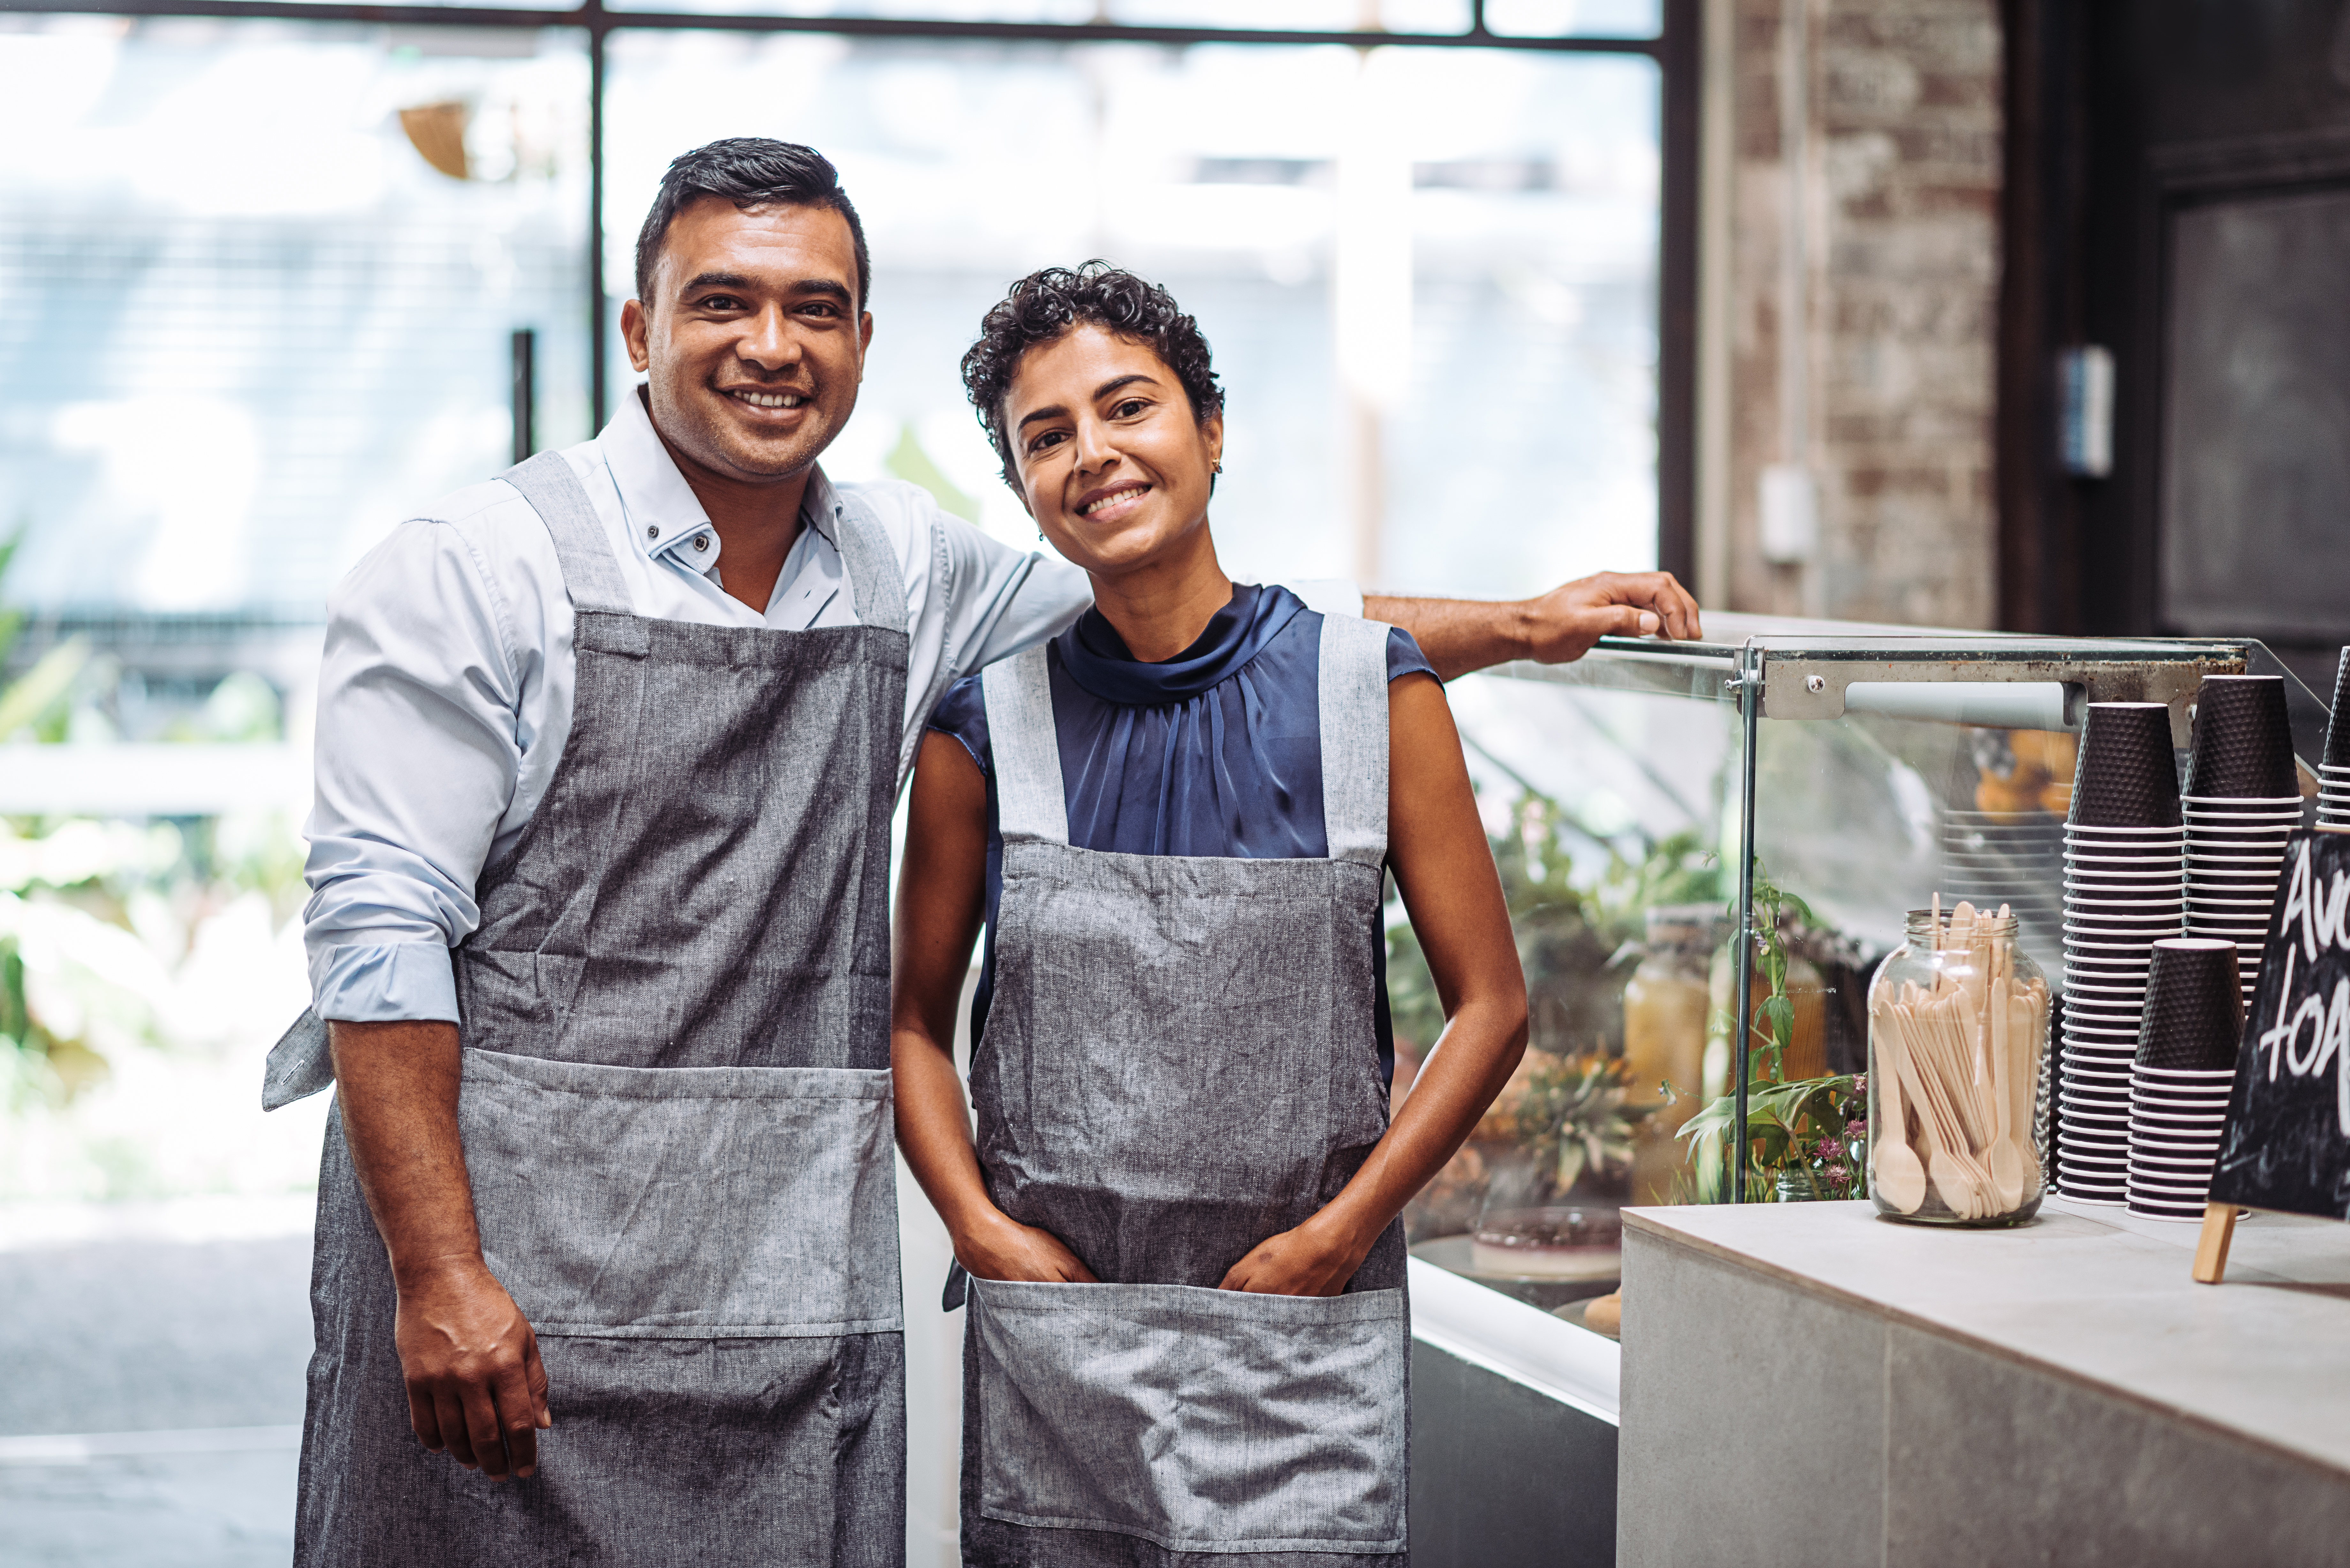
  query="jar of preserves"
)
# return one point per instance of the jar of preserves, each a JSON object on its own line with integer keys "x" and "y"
{"x": 1957, "y": 1031}
{"x": 1665, "y": 1007}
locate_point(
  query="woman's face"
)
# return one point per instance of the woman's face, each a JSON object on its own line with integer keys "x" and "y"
{"x": 1111, "y": 463}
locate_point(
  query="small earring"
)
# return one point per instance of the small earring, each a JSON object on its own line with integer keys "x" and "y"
{"x": 1220, "y": 466}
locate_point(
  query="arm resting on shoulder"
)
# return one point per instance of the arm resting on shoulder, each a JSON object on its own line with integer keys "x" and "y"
{"x": 475, "y": 1386}
{"x": 1462, "y": 635}
{"x": 941, "y": 895}
{"x": 1437, "y": 848}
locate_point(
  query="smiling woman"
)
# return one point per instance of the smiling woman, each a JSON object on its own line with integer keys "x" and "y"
{"x": 1175, "y": 818}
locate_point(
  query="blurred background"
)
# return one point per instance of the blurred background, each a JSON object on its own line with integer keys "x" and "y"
{"x": 2013, "y": 314}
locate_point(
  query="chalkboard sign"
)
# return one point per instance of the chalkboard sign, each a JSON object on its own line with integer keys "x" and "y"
{"x": 2286, "y": 1146}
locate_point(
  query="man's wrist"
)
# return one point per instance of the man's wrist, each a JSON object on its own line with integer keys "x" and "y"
{"x": 409, "y": 1274}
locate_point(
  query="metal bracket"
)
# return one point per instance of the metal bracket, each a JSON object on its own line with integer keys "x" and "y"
{"x": 1798, "y": 685}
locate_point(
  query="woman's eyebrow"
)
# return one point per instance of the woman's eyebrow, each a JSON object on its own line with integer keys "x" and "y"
{"x": 1055, "y": 410}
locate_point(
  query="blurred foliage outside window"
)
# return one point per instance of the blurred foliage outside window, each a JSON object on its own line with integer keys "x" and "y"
{"x": 145, "y": 967}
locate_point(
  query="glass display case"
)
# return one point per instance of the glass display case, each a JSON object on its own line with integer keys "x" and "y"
{"x": 1786, "y": 790}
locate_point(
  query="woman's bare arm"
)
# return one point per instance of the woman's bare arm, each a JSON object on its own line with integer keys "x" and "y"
{"x": 941, "y": 895}
{"x": 1437, "y": 847}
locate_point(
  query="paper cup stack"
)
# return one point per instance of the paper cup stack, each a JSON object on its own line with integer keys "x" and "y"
{"x": 2333, "y": 772}
{"x": 2243, "y": 802}
{"x": 2125, "y": 849}
{"x": 2186, "y": 1065}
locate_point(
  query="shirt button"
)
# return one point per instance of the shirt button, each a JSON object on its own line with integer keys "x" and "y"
{"x": 653, "y": 532}
{"x": 701, "y": 541}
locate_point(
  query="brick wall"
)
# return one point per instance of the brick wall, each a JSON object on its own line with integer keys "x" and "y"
{"x": 1902, "y": 252}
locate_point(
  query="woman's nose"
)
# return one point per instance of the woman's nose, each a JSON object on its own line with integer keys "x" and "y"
{"x": 1096, "y": 450}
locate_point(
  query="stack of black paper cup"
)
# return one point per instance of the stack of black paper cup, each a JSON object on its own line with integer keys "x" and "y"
{"x": 2185, "y": 1068}
{"x": 2333, "y": 772}
{"x": 2243, "y": 802}
{"x": 2125, "y": 849}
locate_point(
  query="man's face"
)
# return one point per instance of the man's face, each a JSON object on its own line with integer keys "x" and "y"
{"x": 752, "y": 341}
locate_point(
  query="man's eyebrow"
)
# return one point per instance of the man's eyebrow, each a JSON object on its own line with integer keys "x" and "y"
{"x": 1103, "y": 391}
{"x": 826, "y": 287}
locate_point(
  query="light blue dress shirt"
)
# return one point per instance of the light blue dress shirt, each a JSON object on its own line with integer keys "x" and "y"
{"x": 445, "y": 697}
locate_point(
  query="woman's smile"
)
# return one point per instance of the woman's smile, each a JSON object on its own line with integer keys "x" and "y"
{"x": 1112, "y": 503}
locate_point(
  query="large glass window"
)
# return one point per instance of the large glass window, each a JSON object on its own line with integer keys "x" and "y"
{"x": 260, "y": 284}
{"x": 1429, "y": 275}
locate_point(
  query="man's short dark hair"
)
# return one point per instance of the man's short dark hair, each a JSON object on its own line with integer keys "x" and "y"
{"x": 1046, "y": 303}
{"x": 750, "y": 171}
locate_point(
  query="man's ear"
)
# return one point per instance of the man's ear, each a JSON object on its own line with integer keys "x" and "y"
{"x": 636, "y": 326}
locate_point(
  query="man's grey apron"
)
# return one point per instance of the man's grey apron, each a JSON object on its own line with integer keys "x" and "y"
{"x": 676, "y": 1116}
{"x": 1182, "y": 1060}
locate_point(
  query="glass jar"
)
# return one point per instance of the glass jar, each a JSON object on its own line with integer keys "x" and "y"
{"x": 1958, "y": 1031}
{"x": 1665, "y": 1007}
{"x": 1806, "y": 1055}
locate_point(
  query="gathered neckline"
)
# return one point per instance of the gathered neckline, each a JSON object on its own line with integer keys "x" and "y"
{"x": 1097, "y": 659}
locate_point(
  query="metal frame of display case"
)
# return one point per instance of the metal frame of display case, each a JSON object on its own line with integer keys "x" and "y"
{"x": 1802, "y": 671}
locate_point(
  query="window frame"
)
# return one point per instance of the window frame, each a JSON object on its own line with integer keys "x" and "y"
{"x": 1675, "y": 49}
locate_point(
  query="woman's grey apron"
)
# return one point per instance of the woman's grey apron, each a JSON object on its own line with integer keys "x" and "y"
{"x": 1182, "y": 1060}
{"x": 676, "y": 1116}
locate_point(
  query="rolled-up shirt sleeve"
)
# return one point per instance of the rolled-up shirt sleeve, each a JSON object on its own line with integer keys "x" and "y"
{"x": 417, "y": 758}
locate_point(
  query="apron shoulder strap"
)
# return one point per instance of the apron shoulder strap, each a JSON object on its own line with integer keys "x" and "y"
{"x": 1029, "y": 803}
{"x": 875, "y": 584}
{"x": 590, "y": 575}
{"x": 1355, "y": 739}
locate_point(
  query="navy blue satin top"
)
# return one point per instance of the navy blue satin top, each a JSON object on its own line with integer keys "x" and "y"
{"x": 1216, "y": 751}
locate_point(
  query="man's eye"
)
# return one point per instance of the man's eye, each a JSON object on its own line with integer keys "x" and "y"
{"x": 721, "y": 302}
{"x": 824, "y": 310}
{"x": 1128, "y": 408}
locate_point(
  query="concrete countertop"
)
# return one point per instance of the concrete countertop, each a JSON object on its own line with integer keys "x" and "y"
{"x": 2089, "y": 1294}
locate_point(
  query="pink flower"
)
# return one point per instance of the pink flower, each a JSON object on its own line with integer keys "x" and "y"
{"x": 1860, "y": 1087}
{"x": 1838, "y": 1176}
{"x": 1856, "y": 1129}
{"x": 1830, "y": 1150}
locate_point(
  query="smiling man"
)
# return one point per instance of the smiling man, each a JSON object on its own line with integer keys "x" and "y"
{"x": 607, "y": 753}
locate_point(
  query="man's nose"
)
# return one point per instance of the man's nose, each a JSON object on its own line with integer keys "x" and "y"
{"x": 769, "y": 342}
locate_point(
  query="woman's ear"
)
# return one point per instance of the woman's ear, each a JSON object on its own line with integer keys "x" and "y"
{"x": 1211, "y": 436}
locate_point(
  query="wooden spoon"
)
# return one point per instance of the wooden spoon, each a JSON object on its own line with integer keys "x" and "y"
{"x": 1952, "y": 1180}
{"x": 1900, "y": 1178}
{"x": 2005, "y": 1161}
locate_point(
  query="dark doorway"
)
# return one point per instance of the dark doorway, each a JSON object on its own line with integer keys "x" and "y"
{"x": 2179, "y": 195}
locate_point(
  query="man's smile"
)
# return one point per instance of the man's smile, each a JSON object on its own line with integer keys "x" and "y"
{"x": 753, "y": 397}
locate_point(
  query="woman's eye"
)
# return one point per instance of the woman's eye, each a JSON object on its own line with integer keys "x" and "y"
{"x": 1050, "y": 437}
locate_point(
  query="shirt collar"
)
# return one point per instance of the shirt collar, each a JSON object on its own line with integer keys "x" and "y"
{"x": 662, "y": 513}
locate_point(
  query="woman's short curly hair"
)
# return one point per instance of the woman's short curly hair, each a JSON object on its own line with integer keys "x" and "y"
{"x": 1047, "y": 303}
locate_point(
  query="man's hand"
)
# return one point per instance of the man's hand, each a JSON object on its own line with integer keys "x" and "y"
{"x": 1003, "y": 1249}
{"x": 475, "y": 1388}
{"x": 1462, "y": 635}
{"x": 1317, "y": 1259}
{"x": 1566, "y": 622}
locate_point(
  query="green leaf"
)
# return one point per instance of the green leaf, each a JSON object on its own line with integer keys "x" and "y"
{"x": 43, "y": 686}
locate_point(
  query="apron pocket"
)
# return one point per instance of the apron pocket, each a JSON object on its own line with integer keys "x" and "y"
{"x": 685, "y": 1202}
{"x": 1201, "y": 1420}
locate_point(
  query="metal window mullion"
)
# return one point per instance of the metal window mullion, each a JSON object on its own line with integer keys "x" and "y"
{"x": 1742, "y": 1024}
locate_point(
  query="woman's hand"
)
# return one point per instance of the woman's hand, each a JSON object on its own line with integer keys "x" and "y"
{"x": 1003, "y": 1249}
{"x": 1317, "y": 1259}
